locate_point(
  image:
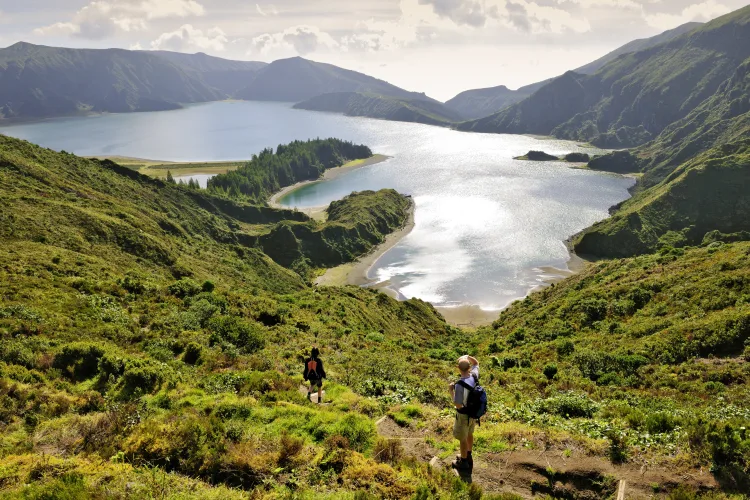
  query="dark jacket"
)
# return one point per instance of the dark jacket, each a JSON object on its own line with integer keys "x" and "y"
{"x": 314, "y": 369}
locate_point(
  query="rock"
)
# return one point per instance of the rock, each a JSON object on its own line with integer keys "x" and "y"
{"x": 577, "y": 158}
{"x": 537, "y": 156}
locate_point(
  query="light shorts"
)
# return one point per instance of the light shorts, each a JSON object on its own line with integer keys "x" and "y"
{"x": 463, "y": 427}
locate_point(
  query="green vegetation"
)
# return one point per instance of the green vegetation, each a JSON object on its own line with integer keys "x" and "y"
{"x": 417, "y": 110}
{"x": 298, "y": 161}
{"x": 148, "y": 348}
{"x": 686, "y": 95}
{"x": 705, "y": 195}
{"x": 537, "y": 156}
{"x": 43, "y": 81}
{"x": 480, "y": 103}
{"x": 354, "y": 226}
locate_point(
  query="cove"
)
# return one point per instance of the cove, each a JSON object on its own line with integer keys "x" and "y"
{"x": 486, "y": 226}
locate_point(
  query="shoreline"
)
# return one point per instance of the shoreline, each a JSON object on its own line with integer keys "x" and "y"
{"x": 319, "y": 212}
{"x": 355, "y": 273}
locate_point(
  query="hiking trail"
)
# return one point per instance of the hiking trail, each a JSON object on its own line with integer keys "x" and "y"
{"x": 560, "y": 473}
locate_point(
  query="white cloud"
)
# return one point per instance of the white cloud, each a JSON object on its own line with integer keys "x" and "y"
{"x": 696, "y": 12}
{"x": 297, "y": 40}
{"x": 269, "y": 10}
{"x": 104, "y": 18}
{"x": 57, "y": 29}
{"x": 191, "y": 39}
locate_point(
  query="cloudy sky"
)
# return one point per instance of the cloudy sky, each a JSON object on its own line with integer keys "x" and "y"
{"x": 437, "y": 46}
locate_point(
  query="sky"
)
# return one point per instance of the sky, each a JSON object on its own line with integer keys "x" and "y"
{"x": 440, "y": 47}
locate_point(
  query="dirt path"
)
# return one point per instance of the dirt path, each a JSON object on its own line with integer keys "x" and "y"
{"x": 529, "y": 473}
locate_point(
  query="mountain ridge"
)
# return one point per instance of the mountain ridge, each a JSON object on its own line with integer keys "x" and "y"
{"x": 479, "y": 103}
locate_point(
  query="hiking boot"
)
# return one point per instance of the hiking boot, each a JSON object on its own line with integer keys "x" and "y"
{"x": 462, "y": 464}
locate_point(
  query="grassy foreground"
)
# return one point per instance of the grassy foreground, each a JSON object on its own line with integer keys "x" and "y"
{"x": 149, "y": 349}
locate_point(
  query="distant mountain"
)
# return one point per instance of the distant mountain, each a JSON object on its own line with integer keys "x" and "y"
{"x": 38, "y": 81}
{"x": 479, "y": 103}
{"x": 634, "y": 98}
{"x": 223, "y": 74}
{"x": 635, "y": 46}
{"x": 383, "y": 107}
{"x": 298, "y": 79}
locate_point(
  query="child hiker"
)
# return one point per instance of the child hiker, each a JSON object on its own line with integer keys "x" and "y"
{"x": 314, "y": 373}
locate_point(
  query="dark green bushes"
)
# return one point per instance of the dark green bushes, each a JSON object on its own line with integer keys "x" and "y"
{"x": 297, "y": 161}
{"x": 246, "y": 336}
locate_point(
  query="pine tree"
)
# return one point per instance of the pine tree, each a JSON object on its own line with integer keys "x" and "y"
{"x": 170, "y": 179}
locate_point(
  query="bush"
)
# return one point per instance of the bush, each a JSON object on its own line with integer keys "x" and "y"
{"x": 192, "y": 353}
{"x": 564, "y": 347}
{"x": 184, "y": 288}
{"x": 388, "y": 450}
{"x": 246, "y": 336}
{"x": 208, "y": 286}
{"x": 550, "y": 371}
{"x": 79, "y": 361}
{"x": 358, "y": 430}
{"x": 568, "y": 405}
{"x": 660, "y": 423}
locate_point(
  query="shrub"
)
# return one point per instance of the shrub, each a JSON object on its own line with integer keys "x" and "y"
{"x": 659, "y": 423}
{"x": 184, "y": 288}
{"x": 564, "y": 347}
{"x": 618, "y": 449}
{"x": 80, "y": 360}
{"x": 568, "y": 405}
{"x": 208, "y": 286}
{"x": 388, "y": 450}
{"x": 550, "y": 371}
{"x": 192, "y": 353}
{"x": 358, "y": 430}
{"x": 289, "y": 447}
{"x": 248, "y": 337}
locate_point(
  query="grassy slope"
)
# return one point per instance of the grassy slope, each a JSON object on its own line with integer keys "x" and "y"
{"x": 383, "y": 107}
{"x": 114, "y": 372}
{"x": 705, "y": 194}
{"x": 479, "y": 103}
{"x": 105, "y": 352}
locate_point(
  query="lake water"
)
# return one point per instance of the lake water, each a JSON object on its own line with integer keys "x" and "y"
{"x": 486, "y": 224}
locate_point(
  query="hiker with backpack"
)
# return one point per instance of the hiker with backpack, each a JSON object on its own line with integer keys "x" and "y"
{"x": 470, "y": 401}
{"x": 314, "y": 373}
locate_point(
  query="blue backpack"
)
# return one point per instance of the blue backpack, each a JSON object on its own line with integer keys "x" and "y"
{"x": 476, "y": 403}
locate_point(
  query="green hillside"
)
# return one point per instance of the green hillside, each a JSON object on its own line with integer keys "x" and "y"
{"x": 479, "y": 103}
{"x": 297, "y": 79}
{"x": 148, "y": 348}
{"x": 708, "y": 193}
{"x": 298, "y": 161}
{"x": 634, "y": 98}
{"x": 382, "y": 107}
{"x": 38, "y": 81}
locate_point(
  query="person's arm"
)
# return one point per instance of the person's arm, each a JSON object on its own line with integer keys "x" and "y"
{"x": 458, "y": 396}
{"x": 472, "y": 360}
{"x": 321, "y": 370}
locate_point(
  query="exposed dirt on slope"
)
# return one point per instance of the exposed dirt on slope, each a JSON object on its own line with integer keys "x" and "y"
{"x": 529, "y": 473}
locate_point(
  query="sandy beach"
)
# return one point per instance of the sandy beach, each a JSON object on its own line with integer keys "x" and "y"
{"x": 355, "y": 273}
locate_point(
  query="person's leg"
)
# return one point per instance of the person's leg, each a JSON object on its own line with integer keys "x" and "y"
{"x": 320, "y": 392}
{"x": 464, "y": 446}
{"x": 470, "y": 441}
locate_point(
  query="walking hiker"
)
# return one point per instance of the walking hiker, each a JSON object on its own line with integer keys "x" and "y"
{"x": 470, "y": 401}
{"x": 314, "y": 373}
